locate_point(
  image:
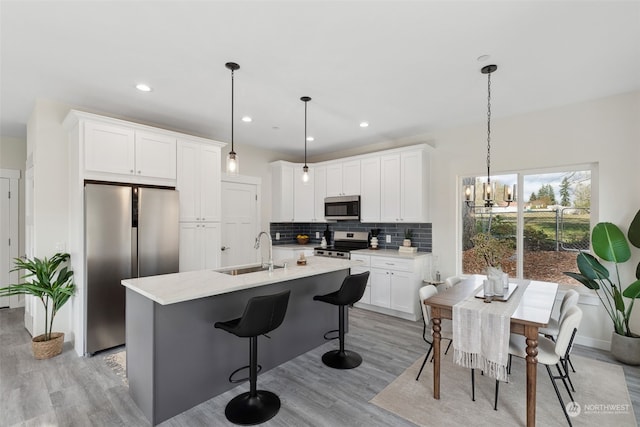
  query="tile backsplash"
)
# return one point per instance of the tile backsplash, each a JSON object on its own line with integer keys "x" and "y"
{"x": 421, "y": 232}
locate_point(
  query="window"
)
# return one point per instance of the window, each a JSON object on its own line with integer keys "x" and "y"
{"x": 540, "y": 234}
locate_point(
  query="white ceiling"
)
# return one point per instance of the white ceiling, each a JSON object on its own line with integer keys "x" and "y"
{"x": 405, "y": 67}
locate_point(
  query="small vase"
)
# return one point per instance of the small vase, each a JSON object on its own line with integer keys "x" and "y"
{"x": 494, "y": 275}
{"x": 374, "y": 243}
{"x": 406, "y": 242}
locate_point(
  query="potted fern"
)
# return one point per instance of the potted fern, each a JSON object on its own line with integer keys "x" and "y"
{"x": 610, "y": 244}
{"x": 52, "y": 283}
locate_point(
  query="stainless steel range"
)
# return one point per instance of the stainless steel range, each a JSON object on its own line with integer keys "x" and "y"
{"x": 343, "y": 243}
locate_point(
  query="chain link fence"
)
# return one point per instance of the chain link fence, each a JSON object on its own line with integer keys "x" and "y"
{"x": 554, "y": 229}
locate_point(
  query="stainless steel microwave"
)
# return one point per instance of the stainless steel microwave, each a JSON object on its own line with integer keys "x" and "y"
{"x": 342, "y": 208}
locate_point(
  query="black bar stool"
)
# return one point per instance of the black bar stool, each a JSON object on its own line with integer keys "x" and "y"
{"x": 350, "y": 292}
{"x": 261, "y": 315}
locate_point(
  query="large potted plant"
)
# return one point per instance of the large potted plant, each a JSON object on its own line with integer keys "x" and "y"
{"x": 610, "y": 244}
{"x": 52, "y": 283}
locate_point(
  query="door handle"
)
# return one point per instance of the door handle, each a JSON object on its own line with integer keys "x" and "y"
{"x": 224, "y": 248}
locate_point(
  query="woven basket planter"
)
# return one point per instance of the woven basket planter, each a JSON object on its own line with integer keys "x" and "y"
{"x": 47, "y": 349}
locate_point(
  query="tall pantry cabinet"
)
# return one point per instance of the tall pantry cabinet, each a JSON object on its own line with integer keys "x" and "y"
{"x": 198, "y": 180}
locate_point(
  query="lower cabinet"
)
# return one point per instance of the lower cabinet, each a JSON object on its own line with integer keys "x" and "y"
{"x": 199, "y": 246}
{"x": 366, "y": 259}
{"x": 393, "y": 284}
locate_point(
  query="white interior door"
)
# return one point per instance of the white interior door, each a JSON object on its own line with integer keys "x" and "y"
{"x": 239, "y": 223}
{"x": 29, "y": 244}
{"x": 9, "y": 234}
{"x": 5, "y": 260}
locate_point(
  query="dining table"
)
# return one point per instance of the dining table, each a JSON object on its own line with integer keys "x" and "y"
{"x": 532, "y": 313}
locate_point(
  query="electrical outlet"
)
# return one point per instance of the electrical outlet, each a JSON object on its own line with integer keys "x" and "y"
{"x": 388, "y": 238}
{"x": 317, "y": 234}
{"x": 277, "y": 236}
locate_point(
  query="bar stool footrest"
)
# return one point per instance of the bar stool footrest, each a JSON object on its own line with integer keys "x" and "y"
{"x": 332, "y": 332}
{"x": 240, "y": 380}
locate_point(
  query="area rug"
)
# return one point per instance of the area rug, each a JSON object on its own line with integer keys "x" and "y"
{"x": 118, "y": 363}
{"x": 601, "y": 395}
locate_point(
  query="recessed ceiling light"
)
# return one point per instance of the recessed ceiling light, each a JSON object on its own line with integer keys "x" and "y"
{"x": 247, "y": 119}
{"x": 483, "y": 58}
{"x": 309, "y": 138}
{"x": 364, "y": 124}
{"x": 143, "y": 87}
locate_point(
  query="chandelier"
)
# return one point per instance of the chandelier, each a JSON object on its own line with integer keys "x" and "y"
{"x": 488, "y": 187}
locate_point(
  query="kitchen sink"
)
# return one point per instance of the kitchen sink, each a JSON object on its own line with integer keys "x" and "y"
{"x": 246, "y": 270}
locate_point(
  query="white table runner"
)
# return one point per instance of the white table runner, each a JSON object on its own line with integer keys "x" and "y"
{"x": 481, "y": 333}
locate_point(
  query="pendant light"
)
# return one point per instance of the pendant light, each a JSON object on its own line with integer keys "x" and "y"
{"x": 488, "y": 187}
{"x": 232, "y": 157}
{"x": 305, "y": 168}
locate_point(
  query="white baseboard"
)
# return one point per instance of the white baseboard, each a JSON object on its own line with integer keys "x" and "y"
{"x": 592, "y": 342}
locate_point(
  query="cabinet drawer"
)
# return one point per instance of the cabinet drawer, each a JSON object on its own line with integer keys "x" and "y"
{"x": 392, "y": 263}
{"x": 366, "y": 259}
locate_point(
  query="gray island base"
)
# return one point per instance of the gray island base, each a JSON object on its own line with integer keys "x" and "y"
{"x": 176, "y": 359}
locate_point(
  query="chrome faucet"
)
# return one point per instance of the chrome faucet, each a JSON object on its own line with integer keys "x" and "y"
{"x": 257, "y": 246}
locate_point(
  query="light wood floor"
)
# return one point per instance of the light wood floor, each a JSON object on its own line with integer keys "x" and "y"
{"x": 83, "y": 391}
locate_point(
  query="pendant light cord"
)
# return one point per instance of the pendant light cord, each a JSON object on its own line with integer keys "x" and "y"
{"x": 305, "y": 133}
{"x": 489, "y": 128}
{"x": 232, "y": 97}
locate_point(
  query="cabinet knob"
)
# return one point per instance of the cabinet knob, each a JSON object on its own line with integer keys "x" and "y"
{"x": 139, "y": 172}
{"x": 131, "y": 170}
{"x": 204, "y": 219}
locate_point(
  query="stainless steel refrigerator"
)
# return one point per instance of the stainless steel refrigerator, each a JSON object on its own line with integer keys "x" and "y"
{"x": 130, "y": 231}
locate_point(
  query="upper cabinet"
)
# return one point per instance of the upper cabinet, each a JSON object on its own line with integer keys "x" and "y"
{"x": 370, "y": 189}
{"x": 393, "y": 186}
{"x": 343, "y": 178}
{"x": 303, "y": 195}
{"x": 199, "y": 181}
{"x": 404, "y": 195}
{"x": 319, "y": 192}
{"x": 108, "y": 149}
{"x": 282, "y": 192}
{"x": 125, "y": 151}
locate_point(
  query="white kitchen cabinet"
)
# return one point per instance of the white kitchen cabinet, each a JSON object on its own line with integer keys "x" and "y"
{"x": 199, "y": 246}
{"x": 198, "y": 180}
{"x": 122, "y": 150}
{"x": 370, "y": 189}
{"x": 282, "y": 176}
{"x": 366, "y": 297}
{"x": 394, "y": 282}
{"x": 404, "y": 195}
{"x": 380, "y": 288}
{"x": 303, "y": 196}
{"x": 319, "y": 192}
{"x": 343, "y": 178}
{"x": 109, "y": 148}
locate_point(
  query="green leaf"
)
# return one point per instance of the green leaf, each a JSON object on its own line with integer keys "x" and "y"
{"x": 633, "y": 290}
{"x": 590, "y": 267}
{"x": 591, "y": 284}
{"x": 634, "y": 231}
{"x": 617, "y": 298}
{"x": 610, "y": 243}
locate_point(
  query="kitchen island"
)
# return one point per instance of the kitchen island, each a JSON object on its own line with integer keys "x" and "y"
{"x": 176, "y": 359}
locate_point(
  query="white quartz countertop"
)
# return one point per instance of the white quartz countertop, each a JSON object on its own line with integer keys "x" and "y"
{"x": 394, "y": 253}
{"x": 179, "y": 287}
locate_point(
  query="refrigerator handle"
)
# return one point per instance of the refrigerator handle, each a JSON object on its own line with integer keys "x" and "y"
{"x": 134, "y": 252}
